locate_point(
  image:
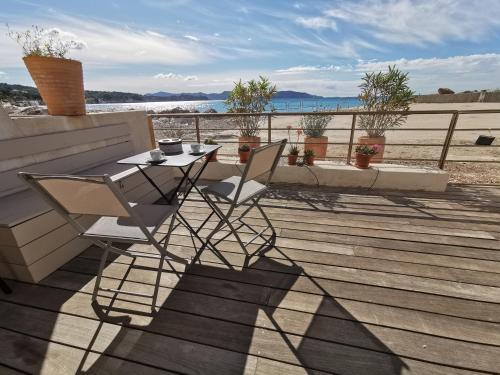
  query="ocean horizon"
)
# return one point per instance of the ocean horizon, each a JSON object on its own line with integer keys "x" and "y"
{"x": 280, "y": 105}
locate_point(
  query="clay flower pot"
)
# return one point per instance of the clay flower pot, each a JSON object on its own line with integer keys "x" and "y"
{"x": 213, "y": 156}
{"x": 363, "y": 160}
{"x": 379, "y": 156}
{"x": 292, "y": 159}
{"x": 243, "y": 156}
{"x": 60, "y": 83}
{"x": 309, "y": 160}
{"x": 253, "y": 142}
{"x": 318, "y": 145}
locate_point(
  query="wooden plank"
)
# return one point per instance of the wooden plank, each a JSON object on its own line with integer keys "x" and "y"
{"x": 36, "y": 144}
{"x": 33, "y": 355}
{"x": 308, "y": 351}
{"x": 195, "y": 298}
{"x": 306, "y": 288}
{"x": 141, "y": 346}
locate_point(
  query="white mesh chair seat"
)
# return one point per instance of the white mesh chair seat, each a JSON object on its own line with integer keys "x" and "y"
{"x": 227, "y": 189}
{"x": 118, "y": 220}
{"x": 124, "y": 229}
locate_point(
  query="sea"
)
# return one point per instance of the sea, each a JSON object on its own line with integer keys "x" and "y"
{"x": 280, "y": 105}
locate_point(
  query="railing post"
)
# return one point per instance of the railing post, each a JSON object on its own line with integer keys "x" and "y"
{"x": 151, "y": 131}
{"x": 351, "y": 139}
{"x": 447, "y": 140}
{"x": 197, "y": 125}
{"x": 268, "y": 129}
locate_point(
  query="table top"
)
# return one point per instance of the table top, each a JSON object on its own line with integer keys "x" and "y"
{"x": 179, "y": 160}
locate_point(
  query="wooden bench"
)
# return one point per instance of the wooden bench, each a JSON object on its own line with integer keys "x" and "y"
{"x": 34, "y": 239}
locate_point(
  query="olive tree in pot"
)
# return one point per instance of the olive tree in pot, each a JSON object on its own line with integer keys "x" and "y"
{"x": 58, "y": 79}
{"x": 250, "y": 97}
{"x": 383, "y": 92}
{"x": 314, "y": 127}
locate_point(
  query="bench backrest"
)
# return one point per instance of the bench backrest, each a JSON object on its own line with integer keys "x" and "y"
{"x": 65, "y": 145}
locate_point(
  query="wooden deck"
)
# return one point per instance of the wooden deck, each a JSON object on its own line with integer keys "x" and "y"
{"x": 360, "y": 282}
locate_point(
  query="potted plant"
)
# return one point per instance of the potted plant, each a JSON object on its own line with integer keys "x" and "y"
{"x": 364, "y": 154}
{"x": 309, "y": 157}
{"x": 293, "y": 148}
{"x": 58, "y": 79}
{"x": 213, "y": 156}
{"x": 250, "y": 97}
{"x": 244, "y": 153}
{"x": 314, "y": 127}
{"x": 380, "y": 92}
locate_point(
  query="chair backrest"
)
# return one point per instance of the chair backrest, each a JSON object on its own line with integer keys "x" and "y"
{"x": 83, "y": 195}
{"x": 263, "y": 160}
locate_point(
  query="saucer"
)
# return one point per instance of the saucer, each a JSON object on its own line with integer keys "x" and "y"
{"x": 201, "y": 152}
{"x": 151, "y": 161}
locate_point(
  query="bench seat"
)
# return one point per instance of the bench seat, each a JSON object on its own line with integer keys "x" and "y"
{"x": 34, "y": 239}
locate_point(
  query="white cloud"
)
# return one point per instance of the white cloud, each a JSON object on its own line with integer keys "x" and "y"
{"x": 317, "y": 22}
{"x": 191, "y": 37}
{"x": 3, "y": 74}
{"x": 109, "y": 44}
{"x": 485, "y": 63}
{"x": 421, "y": 22}
{"x": 175, "y": 76}
{"x": 305, "y": 69}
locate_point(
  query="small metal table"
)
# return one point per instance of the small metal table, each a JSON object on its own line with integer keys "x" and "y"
{"x": 184, "y": 162}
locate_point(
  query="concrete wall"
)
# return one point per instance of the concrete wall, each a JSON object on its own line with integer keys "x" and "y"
{"x": 472, "y": 97}
{"x": 380, "y": 176}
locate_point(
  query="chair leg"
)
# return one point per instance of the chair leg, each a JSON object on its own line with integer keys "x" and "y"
{"x": 157, "y": 283}
{"x": 104, "y": 257}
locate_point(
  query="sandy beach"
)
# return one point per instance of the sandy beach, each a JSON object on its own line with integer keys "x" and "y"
{"x": 461, "y": 172}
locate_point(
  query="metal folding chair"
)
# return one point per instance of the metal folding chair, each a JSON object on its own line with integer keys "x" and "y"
{"x": 119, "y": 221}
{"x": 241, "y": 190}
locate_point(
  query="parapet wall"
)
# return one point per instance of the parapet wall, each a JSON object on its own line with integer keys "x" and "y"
{"x": 464, "y": 97}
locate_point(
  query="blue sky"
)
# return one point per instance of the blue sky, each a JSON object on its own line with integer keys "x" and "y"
{"x": 322, "y": 47}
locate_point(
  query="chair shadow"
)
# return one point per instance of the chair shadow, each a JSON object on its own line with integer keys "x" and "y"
{"x": 215, "y": 318}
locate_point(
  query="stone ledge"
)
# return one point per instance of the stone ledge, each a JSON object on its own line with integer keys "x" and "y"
{"x": 378, "y": 176}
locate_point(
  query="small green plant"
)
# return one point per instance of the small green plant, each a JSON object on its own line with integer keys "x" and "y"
{"x": 314, "y": 125}
{"x": 40, "y": 42}
{"x": 293, "y": 149}
{"x": 309, "y": 154}
{"x": 210, "y": 141}
{"x": 384, "y": 91}
{"x": 367, "y": 149}
{"x": 244, "y": 148}
{"x": 250, "y": 97}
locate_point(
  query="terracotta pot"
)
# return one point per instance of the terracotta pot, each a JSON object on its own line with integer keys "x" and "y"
{"x": 253, "y": 142}
{"x": 363, "y": 161}
{"x": 292, "y": 159}
{"x": 213, "y": 157}
{"x": 379, "y": 157}
{"x": 60, "y": 83}
{"x": 318, "y": 145}
{"x": 309, "y": 160}
{"x": 243, "y": 156}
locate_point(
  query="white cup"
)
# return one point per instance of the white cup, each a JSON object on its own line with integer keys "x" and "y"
{"x": 195, "y": 147}
{"x": 156, "y": 155}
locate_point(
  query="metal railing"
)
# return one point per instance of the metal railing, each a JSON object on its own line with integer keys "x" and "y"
{"x": 445, "y": 146}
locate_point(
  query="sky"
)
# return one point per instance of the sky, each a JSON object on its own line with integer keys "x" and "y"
{"x": 320, "y": 47}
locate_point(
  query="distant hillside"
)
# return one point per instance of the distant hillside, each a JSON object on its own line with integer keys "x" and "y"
{"x": 17, "y": 94}
{"x": 295, "y": 95}
{"x": 223, "y": 95}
